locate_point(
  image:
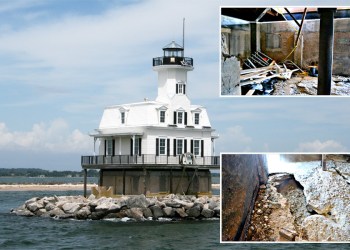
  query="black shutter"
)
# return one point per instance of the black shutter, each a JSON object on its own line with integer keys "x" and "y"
{"x": 113, "y": 147}
{"x": 105, "y": 147}
{"x": 192, "y": 146}
{"x": 177, "y": 88}
{"x": 185, "y": 146}
{"x": 174, "y": 117}
{"x": 184, "y": 89}
{"x": 157, "y": 147}
{"x": 202, "y": 148}
{"x": 168, "y": 147}
{"x": 131, "y": 147}
{"x": 185, "y": 118}
{"x": 174, "y": 147}
{"x": 140, "y": 143}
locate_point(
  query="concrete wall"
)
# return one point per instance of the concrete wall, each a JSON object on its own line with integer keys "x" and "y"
{"x": 139, "y": 181}
{"x": 241, "y": 177}
{"x": 277, "y": 41}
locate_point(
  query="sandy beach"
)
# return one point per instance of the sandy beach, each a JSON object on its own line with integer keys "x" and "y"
{"x": 44, "y": 187}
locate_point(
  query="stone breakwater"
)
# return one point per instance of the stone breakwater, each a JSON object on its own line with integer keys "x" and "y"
{"x": 138, "y": 207}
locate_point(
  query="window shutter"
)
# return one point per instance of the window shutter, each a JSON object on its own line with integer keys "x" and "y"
{"x": 184, "y": 86}
{"x": 113, "y": 147}
{"x": 175, "y": 117}
{"x": 174, "y": 147}
{"x": 105, "y": 147}
{"x": 140, "y": 143}
{"x": 131, "y": 147}
{"x": 192, "y": 146}
{"x": 185, "y": 118}
{"x": 202, "y": 148}
{"x": 157, "y": 147}
{"x": 185, "y": 146}
{"x": 177, "y": 88}
{"x": 168, "y": 147}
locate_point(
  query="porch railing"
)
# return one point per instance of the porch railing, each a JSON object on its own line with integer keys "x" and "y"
{"x": 144, "y": 159}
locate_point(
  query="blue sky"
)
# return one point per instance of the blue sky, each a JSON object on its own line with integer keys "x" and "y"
{"x": 62, "y": 62}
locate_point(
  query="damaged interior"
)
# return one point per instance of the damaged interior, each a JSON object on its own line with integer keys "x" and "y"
{"x": 285, "y": 51}
{"x": 306, "y": 197}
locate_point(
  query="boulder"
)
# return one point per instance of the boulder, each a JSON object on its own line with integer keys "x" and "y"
{"x": 135, "y": 213}
{"x": 83, "y": 213}
{"x": 212, "y": 204}
{"x": 169, "y": 211}
{"x": 23, "y": 212}
{"x": 194, "y": 211}
{"x": 49, "y": 206}
{"x": 56, "y": 212}
{"x": 172, "y": 203}
{"x": 97, "y": 215}
{"x": 157, "y": 212}
{"x": 181, "y": 212}
{"x": 137, "y": 201}
{"x": 320, "y": 228}
{"x": 34, "y": 206}
{"x": 34, "y": 199}
{"x": 113, "y": 208}
{"x": 207, "y": 213}
{"x": 70, "y": 207}
{"x": 42, "y": 212}
{"x": 147, "y": 213}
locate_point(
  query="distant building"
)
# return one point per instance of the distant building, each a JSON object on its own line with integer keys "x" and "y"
{"x": 166, "y": 145}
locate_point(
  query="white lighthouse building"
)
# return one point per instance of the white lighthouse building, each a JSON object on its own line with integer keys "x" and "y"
{"x": 166, "y": 145}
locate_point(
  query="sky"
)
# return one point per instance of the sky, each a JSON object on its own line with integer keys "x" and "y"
{"x": 63, "y": 61}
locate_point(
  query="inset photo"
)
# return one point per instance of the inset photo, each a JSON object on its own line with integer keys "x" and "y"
{"x": 292, "y": 51}
{"x": 285, "y": 197}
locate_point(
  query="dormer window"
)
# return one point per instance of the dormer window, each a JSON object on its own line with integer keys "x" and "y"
{"x": 181, "y": 88}
{"x": 180, "y": 117}
{"x": 196, "y": 118}
{"x": 122, "y": 117}
{"x": 162, "y": 116}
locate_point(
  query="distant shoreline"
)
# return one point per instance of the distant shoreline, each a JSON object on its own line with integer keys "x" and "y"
{"x": 44, "y": 187}
{"x": 54, "y": 187}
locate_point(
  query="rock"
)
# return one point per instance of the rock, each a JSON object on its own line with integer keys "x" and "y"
{"x": 70, "y": 208}
{"x": 288, "y": 234}
{"x": 137, "y": 201}
{"x": 147, "y": 213}
{"x": 83, "y": 213}
{"x": 97, "y": 215}
{"x": 194, "y": 211}
{"x": 212, "y": 205}
{"x": 114, "y": 208}
{"x": 34, "y": 199}
{"x": 136, "y": 213}
{"x": 49, "y": 206}
{"x": 320, "y": 228}
{"x": 56, "y": 212}
{"x": 207, "y": 213}
{"x": 172, "y": 203}
{"x": 34, "y": 206}
{"x": 42, "y": 212}
{"x": 91, "y": 197}
{"x": 184, "y": 204}
{"x": 23, "y": 212}
{"x": 259, "y": 212}
{"x": 181, "y": 212}
{"x": 157, "y": 212}
{"x": 103, "y": 207}
{"x": 262, "y": 186}
{"x": 169, "y": 211}
{"x": 217, "y": 211}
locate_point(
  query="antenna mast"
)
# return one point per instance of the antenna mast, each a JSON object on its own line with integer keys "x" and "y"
{"x": 183, "y": 36}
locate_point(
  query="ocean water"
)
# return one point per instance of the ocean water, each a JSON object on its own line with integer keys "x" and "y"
{"x": 46, "y": 180}
{"x": 45, "y": 233}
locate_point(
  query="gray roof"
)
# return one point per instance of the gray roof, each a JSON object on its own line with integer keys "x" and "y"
{"x": 173, "y": 46}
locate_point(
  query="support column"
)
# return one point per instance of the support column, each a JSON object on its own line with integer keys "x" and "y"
{"x": 85, "y": 180}
{"x": 254, "y": 37}
{"x": 95, "y": 146}
{"x": 325, "y": 61}
{"x": 133, "y": 145}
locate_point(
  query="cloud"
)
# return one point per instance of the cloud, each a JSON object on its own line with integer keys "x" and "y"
{"x": 53, "y": 137}
{"x": 318, "y": 146}
{"x": 233, "y": 140}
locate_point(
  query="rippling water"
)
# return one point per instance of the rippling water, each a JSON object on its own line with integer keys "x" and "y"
{"x": 35, "y": 233}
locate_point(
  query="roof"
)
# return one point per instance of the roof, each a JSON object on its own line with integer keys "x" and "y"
{"x": 173, "y": 46}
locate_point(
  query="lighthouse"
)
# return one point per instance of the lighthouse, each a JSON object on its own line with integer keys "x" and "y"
{"x": 160, "y": 146}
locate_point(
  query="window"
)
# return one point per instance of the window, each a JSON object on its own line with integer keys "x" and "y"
{"x": 162, "y": 116}
{"x": 196, "y": 147}
{"x": 162, "y": 146}
{"x": 109, "y": 147}
{"x": 180, "y": 88}
{"x": 122, "y": 117}
{"x": 180, "y": 117}
{"x": 196, "y": 118}
{"x": 179, "y": 147}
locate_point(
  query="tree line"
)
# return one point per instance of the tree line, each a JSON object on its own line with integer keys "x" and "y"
{"x": 35, "y": 172}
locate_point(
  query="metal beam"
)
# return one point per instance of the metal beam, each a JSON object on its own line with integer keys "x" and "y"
{"x": 326, "y": 42}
